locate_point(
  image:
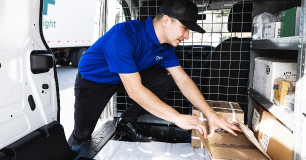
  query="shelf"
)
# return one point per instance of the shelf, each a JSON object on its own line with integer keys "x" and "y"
{"x": 285, "y": 117}
{"x": 284, "y": 43}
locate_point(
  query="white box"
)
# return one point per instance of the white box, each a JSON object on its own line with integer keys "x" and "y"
{"x": 272, "y": 30}
{"x": 267, "y": 69}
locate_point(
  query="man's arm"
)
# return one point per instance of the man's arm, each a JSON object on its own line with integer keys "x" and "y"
{"x": 193, "y": 94}
{"x": 150, "y": 102}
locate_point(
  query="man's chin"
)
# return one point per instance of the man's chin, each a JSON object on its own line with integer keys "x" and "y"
{"x": 175, "y": 44}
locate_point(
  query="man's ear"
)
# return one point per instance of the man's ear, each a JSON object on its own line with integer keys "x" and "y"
{"x": 165, "y": 20}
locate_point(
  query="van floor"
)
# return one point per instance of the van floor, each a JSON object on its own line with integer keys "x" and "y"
{"x": 119, "y": 150}
{"x": 171, "y": 143}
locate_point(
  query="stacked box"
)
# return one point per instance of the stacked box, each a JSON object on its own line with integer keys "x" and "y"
{"x": 272, "y": 135}
{"x": 280, "y": 143}
{"x": 226, "y": 146}
{"x": 195, "y": 140}
{"x": 229, "y": 110}
{"x": 262, "y": 125}
{"x": 267, "y": 70}
{"x": 270, "y": 139}
{"x": 261, "y": 115}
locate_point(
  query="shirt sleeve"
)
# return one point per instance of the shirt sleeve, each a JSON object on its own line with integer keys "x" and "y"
{"x": 119, "y": 52}
{"x": 170, "y": 59}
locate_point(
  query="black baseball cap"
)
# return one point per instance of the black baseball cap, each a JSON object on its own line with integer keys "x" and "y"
{"x": 183, "y": 10}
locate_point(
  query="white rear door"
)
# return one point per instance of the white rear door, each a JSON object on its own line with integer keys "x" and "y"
{"x": 28, "y": 94}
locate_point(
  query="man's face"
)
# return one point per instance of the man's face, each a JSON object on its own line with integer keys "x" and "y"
{"x": 176, "y": 32}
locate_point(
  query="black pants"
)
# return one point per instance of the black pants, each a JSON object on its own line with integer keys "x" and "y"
{"x": 91, "y": 99}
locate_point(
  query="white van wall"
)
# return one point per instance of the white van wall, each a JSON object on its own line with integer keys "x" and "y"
{"x": 19, "y": 30}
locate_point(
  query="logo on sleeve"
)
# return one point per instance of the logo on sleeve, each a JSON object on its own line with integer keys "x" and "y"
{"x": 158, "y": 58}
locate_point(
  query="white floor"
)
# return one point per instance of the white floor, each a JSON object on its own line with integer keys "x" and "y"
{"x": 121, "y": 150}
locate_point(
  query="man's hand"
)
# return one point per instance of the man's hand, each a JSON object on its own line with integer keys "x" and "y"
{"x": 189, "y": 122}
{"x": 216, "y": 122}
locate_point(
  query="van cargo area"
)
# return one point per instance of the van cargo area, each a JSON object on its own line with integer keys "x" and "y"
{"x": 221, "y": 63}
{"x": 249, "y": 65}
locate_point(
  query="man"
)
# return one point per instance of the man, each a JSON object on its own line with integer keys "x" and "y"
{"x": 127, "y": 55}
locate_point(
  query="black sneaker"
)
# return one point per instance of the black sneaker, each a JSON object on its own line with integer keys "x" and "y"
{"x": 75, "y": 144}
{"x": 131, "y": 130}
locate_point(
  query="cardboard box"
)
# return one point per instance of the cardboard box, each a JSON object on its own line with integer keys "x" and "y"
{"x": 273, "y": 136}
{"x": 268, "y": 69}
{"x": 272, "y": 30}
{"x": 271, "y": 139}
{"x": 229, "y": 110}
{"x": 262, "y": 120}
{"x": 280, "y": 143}
{"x": 256, "y": 116}
{"x": 195, "y": 140}
{"x": 226, "y": 146}
{"x": 290, "y": 22}
{"x": 262, "y": 125}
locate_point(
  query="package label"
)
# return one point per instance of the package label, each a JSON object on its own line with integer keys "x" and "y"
{"x": 267, "y": 129}
{"x": 272, "y": 30}
{"x": 263, "y": 145}
{"x": 255, "y": 120}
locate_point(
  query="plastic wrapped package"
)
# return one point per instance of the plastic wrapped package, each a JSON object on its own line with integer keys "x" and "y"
{"x": 289, "y": 102}
{"x": 278, "y": 17}
{"x": 259, "y": 22}
{"x": 284, "y": 94}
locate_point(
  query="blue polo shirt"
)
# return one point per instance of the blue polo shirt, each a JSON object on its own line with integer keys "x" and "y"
{"x": 127, "y": 47}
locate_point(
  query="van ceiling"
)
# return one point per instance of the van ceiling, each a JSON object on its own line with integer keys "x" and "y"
{"x": 219, "y": 4}
{"x": 203, "y": 4}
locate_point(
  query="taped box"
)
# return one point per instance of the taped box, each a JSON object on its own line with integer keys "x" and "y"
{"x": 223, "y": 145}
{"x": 267, "y": 70}
{"x": 272, "y": 135}
{"x": 231, "y": 111}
